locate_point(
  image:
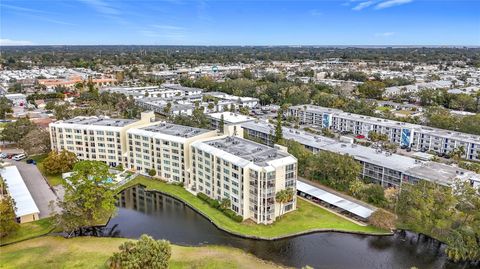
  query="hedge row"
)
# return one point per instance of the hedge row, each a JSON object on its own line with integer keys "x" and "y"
{"x": 216, "y": 204}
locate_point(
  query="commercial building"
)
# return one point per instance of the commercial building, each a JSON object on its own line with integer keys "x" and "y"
{"x": 25, "y": 208}
{"x": 218, "y": 165}
{"x": 417, "y": 137}
{"x": 379, "y": 166}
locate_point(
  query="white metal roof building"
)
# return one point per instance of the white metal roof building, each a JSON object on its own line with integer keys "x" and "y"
{"x": 26, "y": 209}
{"x": 335, "y": 200}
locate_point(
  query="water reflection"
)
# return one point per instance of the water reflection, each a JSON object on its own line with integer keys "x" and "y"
{"x": 163, "y": 217}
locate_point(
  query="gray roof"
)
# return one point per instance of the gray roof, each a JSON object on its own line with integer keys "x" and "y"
{"x": 175, "y": 130}
{"x": 432, "y": 171}
{"x": 259, "y": 154}
{"x": 100, "y": 121}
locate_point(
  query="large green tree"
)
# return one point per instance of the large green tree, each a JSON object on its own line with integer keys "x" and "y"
{"x": 89, "y": 198}
{"x": 17, "y": 130}
{"x": 8, "y": 224}
{"x": 59, "y": 162}
{"x": 5, "y": 107}
{"x": 333, "y": 169}
{"x": 37, "y": 141}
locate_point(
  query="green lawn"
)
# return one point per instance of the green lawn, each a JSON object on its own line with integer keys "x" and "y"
{"x": 92, "y": 252}
{"x": 307, "y": 216}
{"x": 29, "y": 230}
{"x": 52, "y": 180}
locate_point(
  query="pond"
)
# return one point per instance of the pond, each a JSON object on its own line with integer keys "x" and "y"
{"x": 163, "y": 217}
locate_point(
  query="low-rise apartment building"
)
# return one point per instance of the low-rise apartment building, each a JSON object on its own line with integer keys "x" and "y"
{"x": 417, "y": 137}
{"x": 379, "y": 166}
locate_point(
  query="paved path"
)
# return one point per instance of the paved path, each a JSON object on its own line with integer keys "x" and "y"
{"x": 37, "y": 185}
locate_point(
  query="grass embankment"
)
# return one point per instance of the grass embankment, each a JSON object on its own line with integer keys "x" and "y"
{"x": 29, "y": 230}
{"x": 307, "y": 217}
{"x": 53, "y": 180}
{"x": 93, "y": 252}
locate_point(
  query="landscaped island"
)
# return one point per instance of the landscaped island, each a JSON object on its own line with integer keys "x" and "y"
{"x": 307, "y": 217}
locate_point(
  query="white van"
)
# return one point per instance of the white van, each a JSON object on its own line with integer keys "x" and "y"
{"x": 19, "y": 157}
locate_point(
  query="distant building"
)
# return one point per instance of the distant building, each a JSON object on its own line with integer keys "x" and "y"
{"x": 417, "y": 137}
{"x": 387, "y": 169}
{"x": 18, "y": 99}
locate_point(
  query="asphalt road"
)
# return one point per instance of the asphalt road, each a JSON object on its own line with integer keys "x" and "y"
{"x": 37, "y": 185}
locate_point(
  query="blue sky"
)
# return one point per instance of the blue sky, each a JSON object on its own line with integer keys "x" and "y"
{"x": 189, "y": 22}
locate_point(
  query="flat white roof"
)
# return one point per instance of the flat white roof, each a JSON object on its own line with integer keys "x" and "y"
{"x": 230, "y": 117}
{"x": 333, "y": 199}
{"x": 25, "y": 205}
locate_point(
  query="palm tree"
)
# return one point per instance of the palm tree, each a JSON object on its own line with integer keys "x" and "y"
{"x": 284, "y": 196}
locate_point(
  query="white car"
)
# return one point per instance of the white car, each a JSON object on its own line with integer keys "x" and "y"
{"x": 3, "y": 155}
{"x": 19, "y": 157}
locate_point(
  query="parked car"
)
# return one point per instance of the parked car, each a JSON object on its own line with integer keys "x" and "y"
{"x": 19, "y": 157}
{"x": 3, "y": 155}
{"x": 31, "y": 161}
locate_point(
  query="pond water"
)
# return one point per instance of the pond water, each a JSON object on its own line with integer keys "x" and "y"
{"x": 163, "y": 217}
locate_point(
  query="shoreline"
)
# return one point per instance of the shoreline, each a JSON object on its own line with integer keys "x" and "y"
{"x": 254, "y": 237}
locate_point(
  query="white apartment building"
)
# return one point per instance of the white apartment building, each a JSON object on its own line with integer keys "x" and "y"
{"x": 95, "y": 138}
{"x": 219, "y": 165}
{"x": 387, "y": 169}
{"x": 163, "y": 147}
{"x": 247, "y": 173}
{"x": 145, "y": 92}
{"x": 417, "y": 137}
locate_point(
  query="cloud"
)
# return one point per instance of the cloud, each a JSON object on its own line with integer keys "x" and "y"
{"x": 168, "y": 27}
{"x": 102, "y": 7}
{"x": 315, "y": 12}
{"x": 10, "y": 42}
{"x": 385, "y": 34}
{"x": 23, "y": 9}
{"x": 392, "y": 3}
{"x": 363, "y": 5}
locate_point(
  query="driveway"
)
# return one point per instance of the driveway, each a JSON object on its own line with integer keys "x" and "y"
{"x": 37, "y": 185}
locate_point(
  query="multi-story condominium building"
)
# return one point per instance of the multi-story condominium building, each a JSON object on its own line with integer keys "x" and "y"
{"x": 95, "y": 138}
{"x": 219, "y": 165}
{"x": 164, "y": 148}
{"x": 414, "y": 136}
{"x": 382, "y": 167}
{"x": 248, "y": 173}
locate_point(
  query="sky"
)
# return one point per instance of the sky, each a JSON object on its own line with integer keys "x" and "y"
{"x": 252, "y": 22}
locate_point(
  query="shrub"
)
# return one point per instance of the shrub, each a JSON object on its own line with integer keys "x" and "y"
{"x": 120, "y": 167}
{"x": 383, "y": 219}
{"x": 152, "y": 172}
{"x": 144, "y": 253}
